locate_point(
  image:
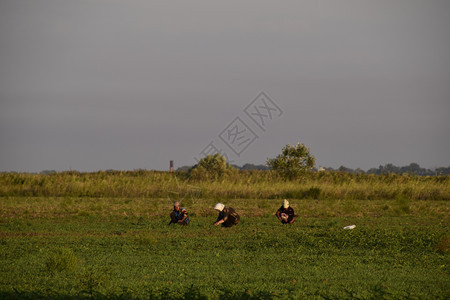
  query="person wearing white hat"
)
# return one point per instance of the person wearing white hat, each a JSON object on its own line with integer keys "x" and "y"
{"x": 227, "y": 216}
{"x": 286, "y": 213}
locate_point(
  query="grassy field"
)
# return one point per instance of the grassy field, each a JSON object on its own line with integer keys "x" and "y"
{"x": 70, "y": 246}
{"x": 237, "y": 185}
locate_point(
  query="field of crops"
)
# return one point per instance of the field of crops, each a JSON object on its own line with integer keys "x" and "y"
{"x": 114, "y": 246}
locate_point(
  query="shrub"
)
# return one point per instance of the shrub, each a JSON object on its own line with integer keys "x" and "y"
{"x": 211, "y": 167}
{"x": 63, "y": 259}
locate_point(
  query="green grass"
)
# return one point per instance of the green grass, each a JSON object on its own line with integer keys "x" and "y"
{"x": 12, "y": 208}
{"x": 104, "y": 235}
{"x": 108, "y": 255}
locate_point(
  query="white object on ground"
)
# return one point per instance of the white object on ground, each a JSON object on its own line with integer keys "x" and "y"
{"x": 350, "y": 227}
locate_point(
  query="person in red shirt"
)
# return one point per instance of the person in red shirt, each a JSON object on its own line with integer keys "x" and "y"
{"x": 286, "y": 213}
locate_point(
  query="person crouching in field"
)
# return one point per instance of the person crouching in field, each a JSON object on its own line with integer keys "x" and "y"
{"x": 179, "y": 215}
{"x": 227, "y": 216}
{"x": 286, "y": 213}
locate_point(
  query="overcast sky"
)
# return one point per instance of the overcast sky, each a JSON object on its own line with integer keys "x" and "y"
{"x": 104, "y": 84}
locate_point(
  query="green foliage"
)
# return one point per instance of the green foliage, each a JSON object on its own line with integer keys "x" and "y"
{"x": 93, "y": 281}
{"x": 116, "y": 224}
{"x": 444, "y": 245}
{"x": 313, "y": 193}
{"x": 292, "y": 162}
{"x": 235, "y": 184}
{"x": 62, "y": 260}
{"x": 259, "y": 259}
{"x": 211, "y": 167}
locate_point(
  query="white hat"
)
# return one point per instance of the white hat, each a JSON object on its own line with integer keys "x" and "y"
{"x": 285, "y": 203}
{"x": 219, "y": 206}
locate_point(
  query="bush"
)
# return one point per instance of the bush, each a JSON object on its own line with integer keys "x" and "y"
{"x": 211, "y": 167}
{"x": 63, "y": 259}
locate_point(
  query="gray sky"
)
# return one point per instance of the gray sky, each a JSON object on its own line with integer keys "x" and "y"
{"x": 99, "y": 84}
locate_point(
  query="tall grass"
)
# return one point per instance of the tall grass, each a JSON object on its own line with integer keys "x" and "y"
{"x": 240, "y": 184}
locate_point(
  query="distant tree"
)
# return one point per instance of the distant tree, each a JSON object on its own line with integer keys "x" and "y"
{"x": 389, "y": 168}
{"x": 414, "y": 168}
{"x": 345, "y": 169}
{"x": 373, "y": 171}
{"x": 254, "y": 167}
{"x": 293, "y": 161}
{"x": 211, "y": 167}
{"x": 184, "y": 168}
{"x": 442, "y": 171}
{"x": 359, "y": 171}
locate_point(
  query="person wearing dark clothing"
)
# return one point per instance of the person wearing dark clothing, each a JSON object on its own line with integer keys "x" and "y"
{"x": 227, "y": 216}
{"x": 286, "y": 213}
{"x": 179, "y": 215}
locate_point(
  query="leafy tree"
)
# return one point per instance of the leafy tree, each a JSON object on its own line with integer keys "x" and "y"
{"x": 211, "y": 167}
{"x": 293, "y": 161}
